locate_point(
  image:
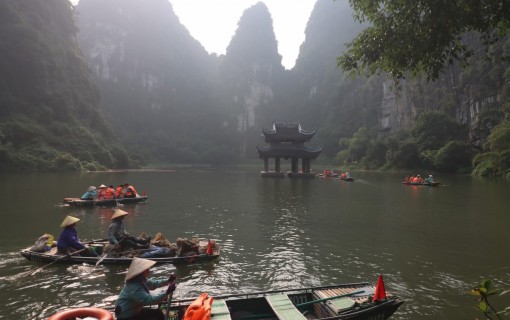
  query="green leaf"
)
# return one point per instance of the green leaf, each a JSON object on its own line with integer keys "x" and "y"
{"x": 483, "y": 306}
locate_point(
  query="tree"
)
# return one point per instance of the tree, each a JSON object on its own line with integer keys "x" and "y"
{"x": 421, "y": 36}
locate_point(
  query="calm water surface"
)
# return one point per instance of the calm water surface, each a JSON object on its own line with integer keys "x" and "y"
{"x": 431, "y": 244}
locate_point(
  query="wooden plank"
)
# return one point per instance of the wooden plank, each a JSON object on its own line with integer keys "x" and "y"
{"x": 283, "y": 307}
{"x": 219, "y": 310}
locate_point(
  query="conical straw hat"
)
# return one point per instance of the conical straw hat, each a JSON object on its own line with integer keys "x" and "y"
{"x": 119, "y": 213}
{"x": 91, "y": 188}
{"x": 102, "y": 186}
{"x": 69, "y": 221}
{"x": 138, "y": 266}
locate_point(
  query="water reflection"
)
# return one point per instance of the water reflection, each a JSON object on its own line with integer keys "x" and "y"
{"x": 431, "y": 244}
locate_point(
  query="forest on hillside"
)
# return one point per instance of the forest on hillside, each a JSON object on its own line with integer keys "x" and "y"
{"x": 93, "y": 87}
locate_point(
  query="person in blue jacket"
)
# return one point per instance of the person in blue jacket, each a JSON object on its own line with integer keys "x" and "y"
{"x": 68, "y": 241}
{"x": 136, "y": 293}
{"x": 91, "y": 194}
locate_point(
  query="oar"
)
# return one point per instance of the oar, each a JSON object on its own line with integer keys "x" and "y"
{"x": 105, "y": 255}
{"x": 168, "y": 302}
{"x": 57, "y": 260}
{"x": 329, "y": 298}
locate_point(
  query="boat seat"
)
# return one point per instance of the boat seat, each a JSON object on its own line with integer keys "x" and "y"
{"x": 219, "y": 310}
{"x": 283, "y": 307}
{"x": 340, "y": 304}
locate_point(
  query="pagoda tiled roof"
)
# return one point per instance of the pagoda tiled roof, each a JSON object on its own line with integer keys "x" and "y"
{"x": 285, "y": 132}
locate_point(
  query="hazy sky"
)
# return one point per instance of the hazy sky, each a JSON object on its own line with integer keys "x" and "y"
{"x": 214, "y": 22}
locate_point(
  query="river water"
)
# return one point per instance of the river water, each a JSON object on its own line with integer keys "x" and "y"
{"x": 431, "y": 245}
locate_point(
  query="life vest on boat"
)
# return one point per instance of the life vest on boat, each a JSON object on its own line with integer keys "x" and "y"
{"x": 200, "y": 309}
{"x": 109, "y": 193}
{"x": 101, "y": 194}
{"x": 130, "y": 192}
{"x": 118, "y": 191}
{"x": 98, "y": 313}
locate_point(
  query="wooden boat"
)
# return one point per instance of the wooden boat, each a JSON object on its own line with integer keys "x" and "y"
{"x": 328, "y": 174}
{"x": 52, "y": 256}
{"x": 350, "y": 179}
{"x": 423, "y": 184}
{"x": 345, "y": 301}
{"x": 107, "y": 203}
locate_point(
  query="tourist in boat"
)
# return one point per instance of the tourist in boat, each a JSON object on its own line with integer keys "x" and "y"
{"x": 119, "y": 191}
{"x": 343, "y": 176}
{"x": 430, "y": 179}
{"x": 91, "y": 194}
{"x": 136, "y": 293}
{"x": 68, "y": 241}
{"x": 129, "y": 191}
{"x": 117, "y": 235}
{"x": 101, "y": 192}
{"x": 348, "y": 175}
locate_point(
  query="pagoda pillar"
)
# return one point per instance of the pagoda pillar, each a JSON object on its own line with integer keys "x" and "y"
{"x": 294, "y": 164}
{"x": 266, "y": 164}
{"x": 277, "y": 164}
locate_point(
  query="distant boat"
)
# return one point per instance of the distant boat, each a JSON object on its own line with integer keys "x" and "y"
{"x": 423, "y": 184}
{"x": 77, "y": 202}
{"x": 328, "y": 174}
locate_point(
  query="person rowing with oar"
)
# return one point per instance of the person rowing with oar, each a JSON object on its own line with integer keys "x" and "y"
{"x": 136, "y": 293}
{"x": 68, "y": 241}
{"x": 118, "y": 236}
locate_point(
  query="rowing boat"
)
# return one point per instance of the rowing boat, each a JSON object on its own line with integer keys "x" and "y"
{"x": 125, "y": 258}
{"x": 345, "y": 301}
{"x": 77, "y": 202}
{"x": 422, "y": 184}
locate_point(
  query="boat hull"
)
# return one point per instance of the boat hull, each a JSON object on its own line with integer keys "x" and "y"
{"x": 258, "y": 305}
{"x": 77, "y": 202}
{"x": 424, "y": 184}
{"x": 53, "y": 256}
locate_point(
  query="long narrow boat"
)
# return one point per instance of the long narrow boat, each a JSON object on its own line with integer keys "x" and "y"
{"x": 344, "y": 301}
{"x": 52, "y": 256}
{"x": 77, "y": 202}
{"x": 422, "y": 184}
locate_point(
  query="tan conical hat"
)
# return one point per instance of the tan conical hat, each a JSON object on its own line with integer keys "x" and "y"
{"x": 119, "y": 213}
{"x": 102, "y": 186}
{"x": 69, "y": 221}
{"x": 91, "y": 188}
{"x": 138, "y": 266}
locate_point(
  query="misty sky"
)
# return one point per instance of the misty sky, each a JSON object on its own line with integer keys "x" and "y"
{"x": 214, "y": 22}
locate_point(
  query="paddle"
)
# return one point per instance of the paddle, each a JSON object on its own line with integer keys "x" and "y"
{"x": 106, "y": 254}
{"x": 329, "y": 298}
{"x": 168, "y": 302}
{"x": 57, "y": 260}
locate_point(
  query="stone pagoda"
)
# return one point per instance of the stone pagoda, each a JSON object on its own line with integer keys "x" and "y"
{"x": 287, "y": 141}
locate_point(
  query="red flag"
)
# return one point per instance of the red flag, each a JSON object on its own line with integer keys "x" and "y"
{"x": 209, "y": 248}
{"x": 380, "y": 292}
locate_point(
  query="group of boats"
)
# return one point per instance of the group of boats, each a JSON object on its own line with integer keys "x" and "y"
{"x": 354, "y": 301}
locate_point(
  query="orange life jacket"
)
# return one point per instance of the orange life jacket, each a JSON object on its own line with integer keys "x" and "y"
{"x": 130, "y": 191}
{"x": 118, "y": 191}
{"x": 200, "y": 309}
{"x": 109, "y": 193}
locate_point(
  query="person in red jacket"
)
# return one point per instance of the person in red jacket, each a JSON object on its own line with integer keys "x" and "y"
{"x": 129, "y": 191}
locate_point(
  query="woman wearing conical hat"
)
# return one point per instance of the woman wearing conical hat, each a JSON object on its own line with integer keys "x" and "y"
{"x": 136, "y": 293}
{"x": 68, "y": 241}
{"x": 117, "y": 235}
